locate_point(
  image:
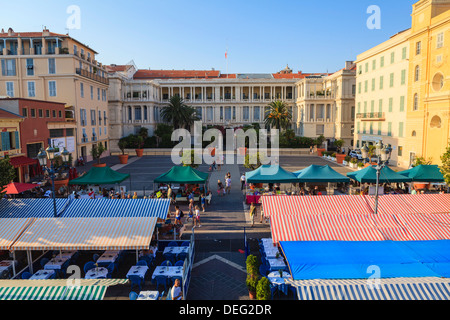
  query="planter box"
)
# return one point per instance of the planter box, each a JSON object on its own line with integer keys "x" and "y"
{"x": 319, "y": 152}
{"x": 340, "y": 158}
{"x": 123, "y": 158}
{"x": 99, "y": 165}
{"x": 60, "y": 183}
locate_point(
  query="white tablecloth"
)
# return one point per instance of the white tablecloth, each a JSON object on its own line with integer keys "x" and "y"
{"x": 137, "y": 271}
{"x": 176, "y": 250}
{"x": 42, "y": 274}
{"x": 55, "y": 263}
{"x": 6, "y": 265}
{"x": 168, "y": 271}
{"x": 96, "y": 273}
{"x": 271, "y": 251}
{"x": 148, "y": 295}
{"x": 274, "y": 277}
{"x": 108, "y": 257}
{"x": 66, "y": 254}
{"x": 276, "y": 264}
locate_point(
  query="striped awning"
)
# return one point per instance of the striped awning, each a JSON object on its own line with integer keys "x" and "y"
{"x": 131, "y": 233}
{"x": 429, "y": 288}
{"x": 427, "y": 226}
{"x": 86, "y": 208}
{"x": 428, "y": 203}
{"x": 30, "y": 208}
{"x": 53, "y": 293}
{"x": 11, "y": 229}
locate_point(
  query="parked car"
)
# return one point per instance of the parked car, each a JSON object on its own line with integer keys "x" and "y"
{"x": 356, "y": 154}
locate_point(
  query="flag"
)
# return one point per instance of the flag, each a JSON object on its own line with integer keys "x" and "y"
{"x": 226, "y": 54}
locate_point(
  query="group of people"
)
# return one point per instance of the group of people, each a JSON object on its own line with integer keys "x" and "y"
{"x": 224, "y": 189}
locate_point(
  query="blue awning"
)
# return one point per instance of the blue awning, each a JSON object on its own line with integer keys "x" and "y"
{"x": 30, "y": 208}
{"x": 117, "y": 208}
{"x": 427, "y": 288}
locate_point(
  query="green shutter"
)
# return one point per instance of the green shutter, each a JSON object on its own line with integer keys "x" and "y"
{"x": 380, "y": 105}
{"x": 381, "y": 82}
{"x": 402, "y": 103}
{"x": 17, "y": 138}
{"x": 391, "y": 102}
{"x": 400, "y": 129}
{"x": 403, "y": 77}
{"x": 379, "y": 128}
{"x": 389, "y": 129}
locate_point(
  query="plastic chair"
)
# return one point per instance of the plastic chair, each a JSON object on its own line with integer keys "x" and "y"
{"x": 166, "y": 263}
{"x": 142, "y": 262}
{"x": 263, "y": 270}
{"x": 179, "y": 263}
{"x": 185, "y": 244}
{"x": 133, "y": 295}
{"x": 88, "y": 266}
{"x": 95, "y": 257}
{"x": 135, "y": 280}
{"x": 181, "y": 256}
{"x": 169, "y": 256}
{"x": 26, "y": 275}
{"x": 110, "y": 268}
{"x": 160, "y": 280}
{"x": 173, "y": 244}
{"x": 44, "y": 261}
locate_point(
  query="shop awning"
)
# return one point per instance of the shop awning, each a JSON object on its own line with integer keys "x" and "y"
{"x": 130, "y": 233}
{"x": 11, "y": 229}
{"x": 270, "y": 174}
{"x": 368, "y": 175}
{"x": 30, "y": 208}
{"x": 100, "y": 176}
{"x": 426, "y": 288}
{"x": 180, "y": 174}
{"x": 17, "y": 187}
{"x": 320, "y": 174}
{"x": 424, "y": 173}
{"x": 21, "y": 161}
{"x": 118, "y": 208}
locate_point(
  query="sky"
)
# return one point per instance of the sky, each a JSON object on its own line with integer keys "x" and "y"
{"x": 260, "y": 36}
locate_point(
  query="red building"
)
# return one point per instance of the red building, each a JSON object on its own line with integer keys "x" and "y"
{"x": 43, "y": 122}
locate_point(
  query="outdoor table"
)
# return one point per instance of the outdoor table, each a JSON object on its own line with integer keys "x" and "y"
{"x": 168, "y": 271}
{"x": 274, "y": 278}
{"x": 148, "y": 295}
{"x": 139, "y": 271}
{"x": 96, "y": 273}
{"x": 108, "y": 257}
{"x": 268, "y": 242}
{"x": 5, "y": 267}
{"x": 176, "y": 250}
{"x": 55, "y": 263}
{"x": 276, "y": 264}
{"x": 66, "y": 254}
{"x": 43, "y": 274}
{"x": 271, "y": 252}
{"x": 154, "y": 249}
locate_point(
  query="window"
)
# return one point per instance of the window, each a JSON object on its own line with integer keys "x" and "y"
{"x": 10, "y": 89}
{"x": 389, "y": 129}
{"x": 364, "y": 127}
{"x": 31, "y": 89}
{"x": 381, "y": 82}
{"x": 416, "y": 73}
{"x": 209, "y": 114}
{"x": 156, "y": 114}
{"x": 365, "y": 106}
{"x": 358, "y": 127}
{"x": 47, "y": 113}
{"x": 98, "y": 93}
{"x": 145, "y": 114}
{"x": 70, "y": 132}
{"x": 10, "y": 140}
{"x": 137, "y": 113}
{"x": 373, "y": 84}
{"x": 99, "y": 118}
{"x": 75, "y": 49}
{"x": 400, "y": 129}
{"x": 33, "y": 113}
{"x": 8, "y": 67}
{"x": 83, "y": 117}
{"x": 371, "y": 128}
{"x": 413, "y": 134}
{"x": 59, "y": 114}
{"x": 82, "y": 89}
{"x": 30, "y": 67}
{"x": 404, "y": 53}
{"x": 52, "y": 88}
{"x": 93, "y": 121}
{"x": 54, "y": 113}
{"x": 418, "y": 47}
{"x": 391, "y": 104}
{"x": 402, "y": 103}
{"x": 392, "y": 57}
{"x": 25, "y": 112}
{"x": 379, "y": 129}
{"x": 227, "y": 113}
{"x": 440, "y": 40}
{"x": 372, "y": 106}
{"x": 92, "y": 93}
{"x": 56, "y": 133}
{"x": 380, "y": 105}
{"x": 367, "y": 67}
{"x": 221, "y": 114}
{"x": 41, "y": 113}
{"x": 381, "y": 62}
{"x": 366, "y": 85}
{"x": 391, "y": 80}
{"x": 359, "y": 107}
{"x": 403, "y": 79}
{"x": 438, "y": 82}
{"x": 51, "y": 66}
{"x": 359, "y": 87}
{"x": 256, "y": 114}
{"x": 416, "y": 102}
{"x": 374, "y": 64}
{"x": 400, "y": 151}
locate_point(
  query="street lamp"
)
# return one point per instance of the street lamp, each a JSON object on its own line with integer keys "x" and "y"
{"x": 383, "y": 153}
{"x": 49, "y": 154}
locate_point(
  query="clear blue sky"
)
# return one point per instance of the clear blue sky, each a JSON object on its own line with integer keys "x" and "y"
{"x": 261, "y": 36}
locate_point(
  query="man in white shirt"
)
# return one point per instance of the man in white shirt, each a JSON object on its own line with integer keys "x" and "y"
{"x": 242, "y": 181}
{"x": 177, "y": 294}
{"x": 228, "y": 185}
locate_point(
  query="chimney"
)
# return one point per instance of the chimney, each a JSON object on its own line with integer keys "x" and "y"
{"x": 45, "y": 32}
{"x": 348, "y": 65}
{"x": 3, "y": 30}
{"x": 10, "y": 32}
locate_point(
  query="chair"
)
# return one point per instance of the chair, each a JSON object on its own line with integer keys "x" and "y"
{"x": 169, "y": 256}
{"x": 142, "y": 262}
{"x": 26, "y": 275}
{"x": 133, "y": 295}
{"x": 166, "y": 263}
{"x": 95, "y": 257}
{"x": 185, "y": 244}
{"x": 173, "y": 244}
{"x": 135, "y": 280}
{"x": 88, "y": 266}
{"x": 160, "y": 280}
{"x": 181, "y": 256}
{"x": 110, "y": 268}
{"x": 179, "y": 263}
{"x": 263, "y": 270}
{"x": 44, "y": 261}
{"x": 273, "y": 288}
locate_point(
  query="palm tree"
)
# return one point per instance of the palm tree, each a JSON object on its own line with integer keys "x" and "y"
{"x": 278, "y": 115}
{"x": 178, "y": 113}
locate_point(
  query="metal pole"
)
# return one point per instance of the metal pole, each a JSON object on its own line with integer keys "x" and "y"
{"x": 14, "y": 264}
{"x": 379, "y": 167}
{"x": 52, "y": 175}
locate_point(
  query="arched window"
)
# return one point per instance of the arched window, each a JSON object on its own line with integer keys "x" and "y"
{"x": 416, "y": 102}
{"x": 413, "y": 134}
{"x": 416, "y": 74}
{"x": 435, "y": 122}
{"x": 438, "y": 82}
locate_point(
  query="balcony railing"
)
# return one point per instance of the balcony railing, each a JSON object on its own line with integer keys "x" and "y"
{"x": 371, "y": 116}
{"x": 92, "y": 76}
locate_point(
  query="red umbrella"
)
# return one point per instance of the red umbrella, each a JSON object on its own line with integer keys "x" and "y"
{"x": 17, "y": 187}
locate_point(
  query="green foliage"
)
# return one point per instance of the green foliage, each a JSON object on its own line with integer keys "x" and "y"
{"x": 278, "y": 115}
{"x": 319, "y": 141}
{"x": 348, "y": 158}
{"x": 445, "y": 167}
{"x": 252, "y": 273}
{"x": 139, "y": 142}
{"x": 143, "y": 132}
{"x": 163, "y": 129}
{"x": 97, "y": 151}
{"x": 339, "y": 143}
{"x": 123, "y": 143}
{"x": 178, "y": 113}
{"x": 7, "y": 174}
{"x": 263, "y": 289}
{"x": 353, "y": 160}
{"x": 422, "y": 161}
{"x": 360, "y": 164}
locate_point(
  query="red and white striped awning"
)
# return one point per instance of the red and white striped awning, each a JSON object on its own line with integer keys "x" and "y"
{"x": 427, "y": 226}
{"x": 391, "y": 228}
{"x": 428, "y": 203}
{"x": 391, "y": 204}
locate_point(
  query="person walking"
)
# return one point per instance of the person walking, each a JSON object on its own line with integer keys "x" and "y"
{"x": 253, "y": 213}
{"x": 219, "y": 188}
{"x": 178, "y": 215}
{"x": 197, "y": 217}
{"x": 242, "y": 181}
{"x": 191, "y": 210}
{"x": 228, "y": 184}
{"x": 203, "y": 201}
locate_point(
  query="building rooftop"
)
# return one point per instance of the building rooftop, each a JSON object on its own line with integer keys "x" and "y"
{"x": 8, "y": 115}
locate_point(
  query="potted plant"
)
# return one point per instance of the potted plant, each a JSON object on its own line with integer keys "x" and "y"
{"x": 96, "y": 153}
{"x": 353, "y": 163}
{"x": 263, "y": 289}
{"x": 123, "y": 158}
{"x": 252, "y": 275}
{"x": 360, "y": 165}
{"x": 139, "y": 146}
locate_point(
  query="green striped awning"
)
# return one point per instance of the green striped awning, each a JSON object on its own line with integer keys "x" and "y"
{"x": 53, "y": 293}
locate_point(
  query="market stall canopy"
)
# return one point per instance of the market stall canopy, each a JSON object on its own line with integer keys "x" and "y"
{"x": 100, "y": 176}
{"x": 315, "y": 173}
{"x": 369, "y": 175}
{"x": 17, "y": 187}
{"x": 179, "y": 174}
{"x": 424, "y": 173}
{"x": 270, "y": 174}
{"x": 31, "y": 207}
{"x": 11, "y": 229}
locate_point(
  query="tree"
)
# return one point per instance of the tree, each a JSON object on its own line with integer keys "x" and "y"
{"x": 319, "y": 141}
{"x": 278, "y": 115}
{"x": 263, "y": 289}
{"x": 254, "y": 161}
{"x": 339, "y": 144}
{"x": 178, "y": 113}
{"x": 191, "y": 159}
{"x": 97, "y": 151}
{"x": 421, "y": 160}
{"x": 7, "y": 174}
{"x": 445, "y": 168}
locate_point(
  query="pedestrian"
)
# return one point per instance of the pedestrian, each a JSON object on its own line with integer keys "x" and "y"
{"x": 122, "y": 193}
{"x": 253, "y": 213}
{"x": 197, "y": 217}
{"x": 203, "y": 201}
{"x": 169, "y": 192}
{"x": 135, "y": 195}
{"x": 343, "y": 150}
{"x": 213, "y": 166}
{"x": 219, "y": 188}
{"x": 228, "y": 185}
{"x": 177, "y": 293}
{"x": 191, "y": 210}
{"x": 310, "y": 150}
{"x": 178, "y": 215}
{"x": 91, "y": 194}
{"x": 242, "y": 181}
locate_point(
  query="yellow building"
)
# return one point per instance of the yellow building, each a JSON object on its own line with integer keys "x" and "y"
{"x": 55, "y": 67}
{"x": 427, "y": 129}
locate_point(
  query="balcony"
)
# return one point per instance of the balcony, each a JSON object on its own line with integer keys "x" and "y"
{"x": 92, "y": 76}
{"x": 371, "y": 116}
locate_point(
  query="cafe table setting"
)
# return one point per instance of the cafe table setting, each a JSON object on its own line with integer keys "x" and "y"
{"x": 97, "y": 272}
{"x": 55, "y": 263}
{"x": 139, "y": 271}
{"x": 168, "y": 271}
{"x": 43, "y": 274}
{"x": 148, "y": 295}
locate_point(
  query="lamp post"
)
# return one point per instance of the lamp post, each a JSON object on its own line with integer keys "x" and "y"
{"x": 49, "y": 154}
{"x": 383, "y": 153}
